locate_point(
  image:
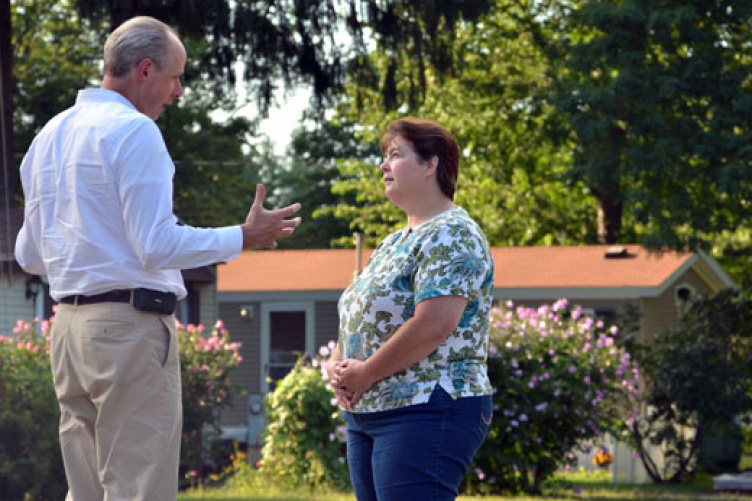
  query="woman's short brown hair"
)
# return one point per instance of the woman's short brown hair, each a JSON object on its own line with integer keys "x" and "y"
{"x": 428, "y": 138}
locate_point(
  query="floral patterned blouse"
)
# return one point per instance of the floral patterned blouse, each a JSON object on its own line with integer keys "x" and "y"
{"x": 446, "y": 256}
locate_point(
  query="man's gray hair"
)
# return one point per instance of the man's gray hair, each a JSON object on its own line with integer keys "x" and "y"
{"x": 135, "y": 39}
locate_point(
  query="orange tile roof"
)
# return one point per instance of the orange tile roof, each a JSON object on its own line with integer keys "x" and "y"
{"x": 582, "y": 266}
{"x": 516, "y": 267}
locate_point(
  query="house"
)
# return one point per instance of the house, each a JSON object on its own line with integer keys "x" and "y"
{"x": 283, "y": 302}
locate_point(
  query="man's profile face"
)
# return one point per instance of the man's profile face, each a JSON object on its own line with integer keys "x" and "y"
{"x": 163, "y": 85}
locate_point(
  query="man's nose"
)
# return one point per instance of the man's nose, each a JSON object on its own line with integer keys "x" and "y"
{"x": 178, "y": 90}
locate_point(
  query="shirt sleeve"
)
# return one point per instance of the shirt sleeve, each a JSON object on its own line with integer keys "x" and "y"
{"x": 27, "y": 252}
{"x": 452, "y": 263}
{"x": 144, "y": 172}
{"x": 27, "y": 248}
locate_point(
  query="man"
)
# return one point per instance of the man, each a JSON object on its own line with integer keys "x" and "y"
{"x": 99, "y": 223}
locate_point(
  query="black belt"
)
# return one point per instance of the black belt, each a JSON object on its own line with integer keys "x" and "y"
{"x": 142, "y": 299}
{"x": 116, "y": 296}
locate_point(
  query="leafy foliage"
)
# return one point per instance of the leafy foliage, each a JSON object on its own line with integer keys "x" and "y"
{"x": 307, "y": 176}
{"x": 30, "y": 461}
{"x": 300, "y": 42}
{"x": 206, "y": 363}
{"x": 658, "y": 96}
{"x": 513, "y": 177}
{"x": 700, "y": 378}
{"x": 559, "y": 379}
{"x": 301, "y": 446}
{"x": 55, "y": 53}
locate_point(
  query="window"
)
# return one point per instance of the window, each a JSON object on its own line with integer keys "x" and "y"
{"x": 683, "y": 296}
{"x": 286, "y": 334}
{"x": 286, "y": 342}
{"x": 188, "y": 310}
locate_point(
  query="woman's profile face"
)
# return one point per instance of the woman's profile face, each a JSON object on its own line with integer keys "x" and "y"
{"x": 403, "y": 170}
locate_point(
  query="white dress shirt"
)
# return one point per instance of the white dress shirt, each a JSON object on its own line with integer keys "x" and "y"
{"x": 98, "y": 212}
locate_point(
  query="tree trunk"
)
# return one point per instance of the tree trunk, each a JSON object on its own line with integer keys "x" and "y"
{"x": 8, "y": 174}
{"x": 610, "y": 210}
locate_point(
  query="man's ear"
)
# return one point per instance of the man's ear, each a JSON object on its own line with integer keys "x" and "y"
{"x": 145, "y": 66}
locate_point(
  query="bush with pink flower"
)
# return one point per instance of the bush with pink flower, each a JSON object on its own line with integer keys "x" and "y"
{"x": 207, "y": 359}
{"x": 560, "y": 379}
{"x": 30, "y": 462}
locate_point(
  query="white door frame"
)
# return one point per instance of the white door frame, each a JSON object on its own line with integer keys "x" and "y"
{"x": 266, "y": 309}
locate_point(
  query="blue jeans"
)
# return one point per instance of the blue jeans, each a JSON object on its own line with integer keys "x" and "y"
{"x": 416, "y": 453}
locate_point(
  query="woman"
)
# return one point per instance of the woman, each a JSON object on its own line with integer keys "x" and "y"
{"x": 409, "y": 370}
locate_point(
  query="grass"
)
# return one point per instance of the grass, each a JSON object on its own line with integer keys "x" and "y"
{"x": 576, "y": 486}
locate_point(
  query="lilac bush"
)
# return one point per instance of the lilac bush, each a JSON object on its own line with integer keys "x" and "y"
{"x": 560, "y": 379}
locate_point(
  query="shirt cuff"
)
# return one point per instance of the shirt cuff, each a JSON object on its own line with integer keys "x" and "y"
{"x": 231, "y": 241}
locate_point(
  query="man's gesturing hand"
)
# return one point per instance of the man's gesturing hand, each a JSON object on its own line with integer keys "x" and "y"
{"x": 263, "y": 227}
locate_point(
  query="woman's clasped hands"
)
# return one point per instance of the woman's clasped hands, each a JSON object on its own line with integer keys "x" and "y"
{"x": 350, "y": 378}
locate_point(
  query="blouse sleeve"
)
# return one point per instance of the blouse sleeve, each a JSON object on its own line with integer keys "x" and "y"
{"x": 452, "y": 262}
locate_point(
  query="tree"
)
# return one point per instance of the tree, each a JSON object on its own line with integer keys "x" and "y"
{"x": 307, "y": 176}
{"x": 295, "y": 41}
{"x": 55, "y": 53}
{"x": 513, "y": 176}
{"x": 659, "y": 99}
{"x": 8, "y": 177}
{"x": 699, "y": 379}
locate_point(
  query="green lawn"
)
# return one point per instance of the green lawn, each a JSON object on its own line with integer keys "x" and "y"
{"x": 571, "y": 487}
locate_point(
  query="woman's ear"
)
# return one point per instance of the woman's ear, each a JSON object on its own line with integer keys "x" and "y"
{"x": 431, "y": 165}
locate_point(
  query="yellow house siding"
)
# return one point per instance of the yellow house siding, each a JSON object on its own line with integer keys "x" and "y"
{"x": 661, "y": 312}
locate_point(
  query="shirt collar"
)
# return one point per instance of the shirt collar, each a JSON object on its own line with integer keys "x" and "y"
{"x": 101, "y": 96}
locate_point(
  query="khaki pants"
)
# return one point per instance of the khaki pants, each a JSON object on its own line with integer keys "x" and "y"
{"x": 117, "y": 378}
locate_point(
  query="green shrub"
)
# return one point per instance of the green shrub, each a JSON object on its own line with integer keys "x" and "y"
{"x": 30, "y": 460}
{"x": 303, "y": 437}
{"x": 206, "y": 362}
{"x": 31, "y": 466}
{"x": 559, "y": 379}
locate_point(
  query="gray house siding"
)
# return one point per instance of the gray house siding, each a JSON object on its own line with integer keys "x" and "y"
{"x": 13, "y": 303}
{"x": 327, "y": 322}
{"x": 246, "y": 331}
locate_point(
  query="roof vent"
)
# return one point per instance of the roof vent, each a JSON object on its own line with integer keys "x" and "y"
{"x": 617, "y": 252}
